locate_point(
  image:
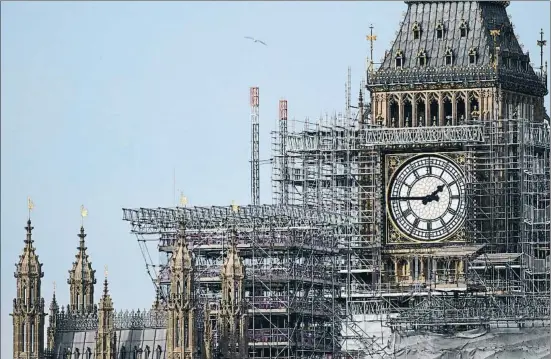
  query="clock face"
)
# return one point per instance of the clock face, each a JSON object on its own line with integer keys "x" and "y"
{"x": 426, "y": 198}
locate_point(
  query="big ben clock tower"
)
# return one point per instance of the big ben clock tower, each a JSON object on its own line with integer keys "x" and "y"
{"x": 456, "y": 186}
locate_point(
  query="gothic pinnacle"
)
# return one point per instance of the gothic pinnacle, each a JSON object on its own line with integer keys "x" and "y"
{"x": 105, "y": 284}
{"x": 29, "y": 228}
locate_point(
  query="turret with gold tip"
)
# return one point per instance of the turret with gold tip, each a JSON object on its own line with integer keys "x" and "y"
{"x": 28, "y": 305}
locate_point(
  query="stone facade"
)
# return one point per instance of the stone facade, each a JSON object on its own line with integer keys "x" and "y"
{"x": 180, "y": 328}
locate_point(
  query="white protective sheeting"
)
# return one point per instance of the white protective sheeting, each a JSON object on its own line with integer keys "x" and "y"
{"x": 497, "y": 343}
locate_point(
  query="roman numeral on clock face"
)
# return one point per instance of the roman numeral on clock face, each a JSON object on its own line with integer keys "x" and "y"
{"x": 406, "y": 212}
{"x": 427, "y": 197}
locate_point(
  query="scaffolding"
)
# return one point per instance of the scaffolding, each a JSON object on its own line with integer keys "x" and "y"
{"x": 324, "y": 166}
{"x": 290, "y": 256}
{"x": 337, "y": 164}
{"x": 507, "y": 280}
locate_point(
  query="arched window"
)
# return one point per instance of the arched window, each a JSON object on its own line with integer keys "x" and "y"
{"x": 24, "y": 293}
{"x": 416, "y": 30}
{"x": 159, "y": 352}
{"x": 68, "y": 353}
{"x": 135, "y": 353}
{"x": 123, "y": 353}
{"x": 88, "y": 353}
{"x": 77, "y": 353}
{"x": 422, "y": 56}
{"x": 147, "y": 351}
{"x": 399, "y": 58}
{"x": 449, "y": 56}
{"x": 439, "y": 30}
{"x": 463, "y": 28}
{"x": 472, "y": 56}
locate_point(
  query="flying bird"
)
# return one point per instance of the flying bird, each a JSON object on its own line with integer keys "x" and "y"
{"x": 256, "y": 40}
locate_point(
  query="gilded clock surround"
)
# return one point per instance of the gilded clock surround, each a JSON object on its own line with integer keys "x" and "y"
{"x": 393, "y": 162}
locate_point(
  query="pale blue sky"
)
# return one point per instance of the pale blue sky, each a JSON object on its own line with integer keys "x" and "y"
{"x": 100, "y": 101}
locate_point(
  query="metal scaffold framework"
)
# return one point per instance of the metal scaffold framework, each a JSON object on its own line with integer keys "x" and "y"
{"x": 255, "y": 146}
{"x": 337, "y": 164}
{"x": 506, "y": 276}
{"x": 290, "y": 257}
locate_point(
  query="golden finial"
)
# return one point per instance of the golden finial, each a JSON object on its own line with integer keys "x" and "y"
{"x": 183, "y": 199}
{"x": 30, "y": 206}
{"x": 83, "y": 213}
{"x": 234, "y": 206}
{"x": 371, "y": 37}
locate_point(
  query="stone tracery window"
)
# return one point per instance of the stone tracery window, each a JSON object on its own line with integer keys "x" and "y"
{"x": 88, "y": 353}
{"x": 159, "y": 352}
{"x": 399, "y": 58}
{"x": 416, "y": 28}
{"x": 439, "y": 30}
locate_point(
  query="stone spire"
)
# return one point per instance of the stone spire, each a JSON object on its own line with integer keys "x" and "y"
{"x": 28, "y": 306}
{"x": 233, "y": 336}
{"x": 81, "y": 280}
{"x": 52, "y": 325}
{"x": 105, "y": 337}
{"x": 181, "y": 339}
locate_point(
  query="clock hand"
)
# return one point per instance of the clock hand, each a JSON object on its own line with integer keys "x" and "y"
{"x": 420, "y": 198}
{"x": 434, "y": 195}
{"x": 431, "y": 197}
{"x": 438, "y": 189}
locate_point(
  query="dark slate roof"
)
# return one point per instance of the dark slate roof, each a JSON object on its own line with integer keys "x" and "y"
{"x": 502, "y": 3}
{"x": 480, "y": 17}
{"x": 130, "y": 339}
{"x": 134, "y": 330}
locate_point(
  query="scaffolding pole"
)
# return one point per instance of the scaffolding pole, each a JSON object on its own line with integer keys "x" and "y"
{"x": 255, "y": 146}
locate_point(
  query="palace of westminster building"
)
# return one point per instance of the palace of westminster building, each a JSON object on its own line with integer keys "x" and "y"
{"x": 455, "y": 186}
